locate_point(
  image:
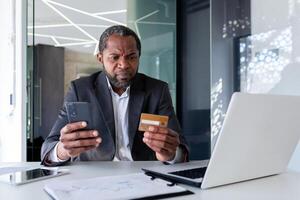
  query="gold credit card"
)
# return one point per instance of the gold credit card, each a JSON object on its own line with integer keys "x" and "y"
{"x": 152, "y": 120}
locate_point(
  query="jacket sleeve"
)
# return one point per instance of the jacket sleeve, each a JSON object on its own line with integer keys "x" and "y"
{"x": 166, "y": 108}
{"x": 54, "y": 134}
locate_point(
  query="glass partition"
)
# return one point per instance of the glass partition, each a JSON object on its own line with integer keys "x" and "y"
{"x": 230, "y": 20}
{"x": 269, "y": 60}
{"x": 155, "y": 24}
{"x": 255, "y": 49}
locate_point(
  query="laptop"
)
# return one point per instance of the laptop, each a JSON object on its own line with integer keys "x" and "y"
{"x": 259, "y": 135}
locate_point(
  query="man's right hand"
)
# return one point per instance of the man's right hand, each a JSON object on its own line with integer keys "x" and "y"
{"x": 73, "y": 141}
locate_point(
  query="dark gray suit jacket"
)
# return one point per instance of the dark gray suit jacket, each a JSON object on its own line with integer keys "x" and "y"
{"x": 147, "y": 95}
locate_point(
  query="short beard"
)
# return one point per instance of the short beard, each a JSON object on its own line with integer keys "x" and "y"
{"x": 114, "y": 81}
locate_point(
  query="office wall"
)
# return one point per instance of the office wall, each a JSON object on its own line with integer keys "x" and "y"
{"x": 12, "y": 68}
{"x": 276, "y": 28}
{"x": 7, "y": 68}
{"x": 198, "y": 62}
{"x": 193, "y": 55}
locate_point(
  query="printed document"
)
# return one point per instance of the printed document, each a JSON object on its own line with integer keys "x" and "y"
{"x": 130, "y": 186}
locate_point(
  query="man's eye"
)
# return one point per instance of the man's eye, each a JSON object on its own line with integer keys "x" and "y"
{"x": 133, "y": 57}
{"x": 114, "y": 58}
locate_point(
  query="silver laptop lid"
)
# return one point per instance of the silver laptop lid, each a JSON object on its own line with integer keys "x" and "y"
{"x": 258, "y": 137}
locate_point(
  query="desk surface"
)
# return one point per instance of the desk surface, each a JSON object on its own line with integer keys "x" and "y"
{"x": 284, "y": 186}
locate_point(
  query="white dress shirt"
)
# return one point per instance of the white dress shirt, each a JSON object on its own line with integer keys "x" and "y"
{"x": 120, "y": 106}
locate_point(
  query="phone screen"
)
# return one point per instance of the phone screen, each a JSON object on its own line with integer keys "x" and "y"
{"x": 31, "y": 175}
{"x": 36, "y": 173}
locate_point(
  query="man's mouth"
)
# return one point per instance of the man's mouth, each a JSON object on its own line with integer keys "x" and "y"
{"x": 123, "y": 76}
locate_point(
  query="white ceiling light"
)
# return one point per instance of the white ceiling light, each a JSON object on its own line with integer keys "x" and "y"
{"x": 67, "y": 19}
{"x": 76, "y": 43}
{"x": 83, "y": 12}
{"x": 157, "y": 23}
{"x": 55, "y": 40}
{"x": 144, "y": 17}
{"x": 66, "y": 25}
{"x": 58, "y": 37}
{"x": 110, "y": 12}
{"x": 87, "y": 45}
{"x": 85, "y": 28}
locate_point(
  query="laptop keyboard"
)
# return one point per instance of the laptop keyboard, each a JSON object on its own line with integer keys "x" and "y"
{"x": 191, "y": 173}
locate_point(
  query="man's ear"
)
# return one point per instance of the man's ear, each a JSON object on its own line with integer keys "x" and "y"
{"x": 100, "y": 57}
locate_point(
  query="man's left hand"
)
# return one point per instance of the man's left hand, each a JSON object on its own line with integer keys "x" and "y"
{"x": 163, "y": 141}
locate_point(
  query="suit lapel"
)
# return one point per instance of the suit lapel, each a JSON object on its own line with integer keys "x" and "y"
{"x": 136, "y": 101}
{"x": 105, "y": 102}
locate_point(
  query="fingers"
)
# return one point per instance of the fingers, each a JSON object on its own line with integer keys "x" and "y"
{"x": 73, "y": 148}
{"x": 72, "y": 132}
{"x": 64, "y": 153}
{"x": 168, "y": 138}
{"x": 162, "y": 130}
{"x": 157, "y": 129}
{"x": 159, "y": 146}
{"x": 161, "y": 153}
{"x": 74, "y": 141}
{"x": 82, "y": 143}
{"x": 76, "y": 151}
{"x": 158, "y": 149}
{"x": 163, "y": 141}
{"x": 161, "y": 134}
{"x": 78, "y": 135}
{"x": 73, "y": 127}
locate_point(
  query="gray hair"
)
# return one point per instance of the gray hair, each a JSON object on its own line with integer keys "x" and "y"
{"x": 118, "y": 30}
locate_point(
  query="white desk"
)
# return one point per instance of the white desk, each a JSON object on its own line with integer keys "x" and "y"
{"x": 284, "y": 186}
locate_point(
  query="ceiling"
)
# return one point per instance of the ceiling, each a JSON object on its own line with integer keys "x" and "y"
{"x": 73, "y": 24}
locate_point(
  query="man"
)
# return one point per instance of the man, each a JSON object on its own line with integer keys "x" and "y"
{"x": 118, "y": 96}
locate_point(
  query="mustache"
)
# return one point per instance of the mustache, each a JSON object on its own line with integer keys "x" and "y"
{"x": 123, "y": 73}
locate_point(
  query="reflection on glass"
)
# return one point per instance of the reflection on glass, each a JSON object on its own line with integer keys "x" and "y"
{"x": 236, "y": 18}
{"x": 75, "y": 24}
{"x": 155, "y": 24}
{"x": 271, "y": 61}
{"x": 263, "y": 57}
{"x": 216, "y": 109}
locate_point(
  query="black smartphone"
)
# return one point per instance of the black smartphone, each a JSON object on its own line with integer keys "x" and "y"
{"x": 79, "y": 111}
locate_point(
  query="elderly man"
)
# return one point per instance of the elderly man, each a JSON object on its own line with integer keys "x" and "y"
{"x": 118, "y": 96}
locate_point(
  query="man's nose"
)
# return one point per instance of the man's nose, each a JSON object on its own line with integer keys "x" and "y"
{"x": 123, "y": 63}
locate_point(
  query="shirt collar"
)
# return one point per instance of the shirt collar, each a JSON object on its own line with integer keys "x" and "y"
{"x": 125, "y": 94}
